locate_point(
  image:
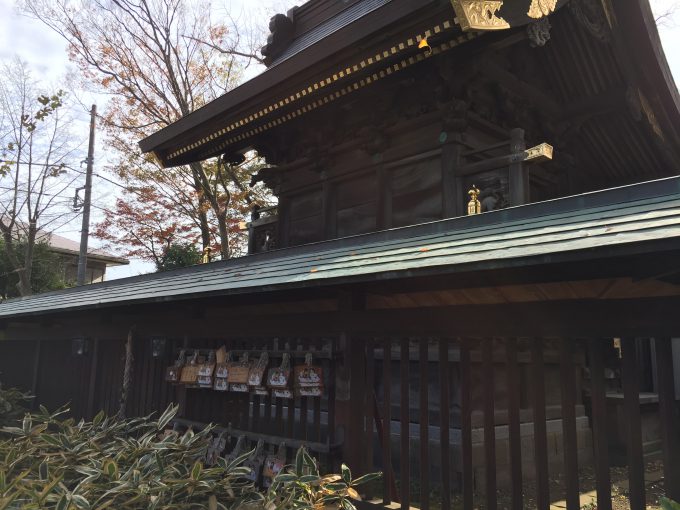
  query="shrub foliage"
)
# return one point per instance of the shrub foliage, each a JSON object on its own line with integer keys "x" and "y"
{"x": 49, "y": 461}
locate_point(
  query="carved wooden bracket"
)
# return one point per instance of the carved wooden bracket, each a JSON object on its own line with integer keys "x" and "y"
{"x": 501, "y": 14}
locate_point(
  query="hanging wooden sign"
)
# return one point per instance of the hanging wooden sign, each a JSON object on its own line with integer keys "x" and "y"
{"x": 255, "y": 462}
{"x": 205, "y": 371}
{"x": 308, "y": 379}
{"x": 239, "y": 370}
{"x": 172, "y": 373}
{"x": 239, "y": 449}
{"x": 257, "y": 371}
{"x": 309, "y": 391}
{"x": 215, "y": 449}
{"x": 282, "y": 393}
{"x": 308, "y": 375}
{"x": 190, "y": 371}
{"x": 280, "y": 377}
{"x": 273, "y": 464}
{"x": 222, "y": 359}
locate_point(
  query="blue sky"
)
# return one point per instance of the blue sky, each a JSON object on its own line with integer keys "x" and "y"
{"x": 46, "y": 54}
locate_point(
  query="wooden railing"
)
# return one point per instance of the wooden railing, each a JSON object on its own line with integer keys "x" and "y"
{"x": 449, "y": 427}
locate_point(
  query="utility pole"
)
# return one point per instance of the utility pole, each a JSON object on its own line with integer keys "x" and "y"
{"x": 85, "y": 231}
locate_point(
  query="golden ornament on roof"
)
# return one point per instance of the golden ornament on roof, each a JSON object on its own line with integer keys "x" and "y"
{"x": 474, "y": 205}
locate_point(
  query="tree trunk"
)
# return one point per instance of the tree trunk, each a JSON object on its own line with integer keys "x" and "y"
{"x": 127, "y": 376}
{"x": 24, "y": 283}
{"x": 200, "y": 185}
{"x": 224, "y": 233}
{"x": 205, "y": 227}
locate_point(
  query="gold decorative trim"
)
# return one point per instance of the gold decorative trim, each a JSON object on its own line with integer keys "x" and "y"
{"x": 378, "y": 75}
{"x": 541, "y": 8}
{"x": 542, "y": 152}
{"x": 479, "y": 14}
{"x": 336, "y": 76}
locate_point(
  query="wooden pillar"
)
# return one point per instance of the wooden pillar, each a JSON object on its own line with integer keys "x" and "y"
{"x": 329, "y": 213}
{"x": 668, "y": 416}
{"x": 92, "y": 387}
{"x": 631, "y": 397}
{"x": 568, "y": 393}
{"x": 351, "y": 390}
{"x": 540, "y": 433}
{"x": 36, "y": 373}
{"x": 518, "y": 175}
{"x": 384, "y": 209}
{"x": 599, "y": 416}
{"x": 452, "y": 196}
{"x": 284, "y": 221}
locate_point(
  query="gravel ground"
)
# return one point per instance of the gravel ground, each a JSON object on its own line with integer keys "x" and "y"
{"x": 619, "y": 477}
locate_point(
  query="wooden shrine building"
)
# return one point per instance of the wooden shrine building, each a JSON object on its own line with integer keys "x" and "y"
{"x": 477, "y": 238}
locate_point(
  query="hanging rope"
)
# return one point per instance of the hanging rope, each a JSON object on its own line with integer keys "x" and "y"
{"x": 127, "y": 376}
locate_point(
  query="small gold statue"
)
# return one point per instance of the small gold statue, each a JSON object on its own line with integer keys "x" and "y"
{"x": 206, "y": 255}
{"x": 474, "y": 205}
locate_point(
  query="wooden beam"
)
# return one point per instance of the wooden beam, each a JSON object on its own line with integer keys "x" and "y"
{"x": 518, "y": 156}
{"x": 534, "y": 95}
{"x": 611, "y": 101}
{"x": 598, "y": 318}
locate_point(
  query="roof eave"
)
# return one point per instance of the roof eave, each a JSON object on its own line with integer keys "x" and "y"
{"x": 274, "y": 76}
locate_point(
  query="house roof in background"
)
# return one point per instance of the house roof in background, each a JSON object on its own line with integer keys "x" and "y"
{"x": 63, "y": 245}
{"x": 626, "y": 219}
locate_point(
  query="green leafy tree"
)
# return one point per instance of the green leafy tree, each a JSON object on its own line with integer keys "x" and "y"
{"x": 36, "y": 150}
{"x": 47, "y": 269}
{"x": 178, "y": 255}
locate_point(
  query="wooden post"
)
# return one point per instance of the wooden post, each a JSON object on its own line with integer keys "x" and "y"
{"x": 329, "y": 212}
{"x": 452, "y": 200}
{"x": 466, "y": 425}
{"x": 445, "y": 411}
{"x": 514, "y": 431}
{"x": 405, "y": 422}
{"x": 424, "y": 426}
{"x": 489, "y": 423}
{"x": 284, "y": 221}
{"x": 668, "y": 416}
{"x": 568, "y": 392}
{"x": 600, "y": 434}
{"x": 92, "y": 389}
{"x": 36, "y": 373}
{"x": 631, "y": 398}
{"x": 350, "y": 399}
{"x": 518, "y": 176}
{"x": 384, "y": 209}
{"x": 540, "y": 434}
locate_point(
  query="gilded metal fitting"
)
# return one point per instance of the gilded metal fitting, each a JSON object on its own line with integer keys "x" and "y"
{"x": 474, "y": 205}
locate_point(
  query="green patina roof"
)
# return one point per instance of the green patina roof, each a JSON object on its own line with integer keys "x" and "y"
{"x": 622, "y": 218}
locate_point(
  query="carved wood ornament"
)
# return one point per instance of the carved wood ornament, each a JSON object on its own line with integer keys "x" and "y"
{"x": 501, "y": 14}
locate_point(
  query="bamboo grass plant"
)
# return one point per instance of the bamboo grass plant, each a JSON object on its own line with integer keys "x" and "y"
{"x": 49, "y": 461}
